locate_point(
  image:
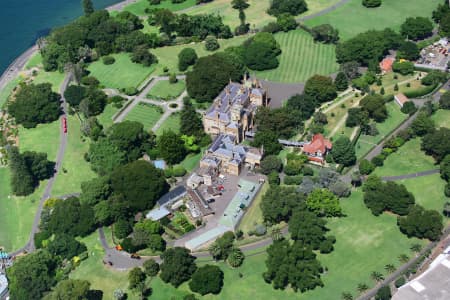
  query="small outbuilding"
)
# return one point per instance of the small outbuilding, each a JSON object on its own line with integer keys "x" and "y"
{"x": 401, "y": 99}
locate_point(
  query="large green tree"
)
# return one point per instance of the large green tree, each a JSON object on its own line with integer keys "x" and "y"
{"x": 320, "y": 88}
{"x": 279, "y": 202}
{"x": 105, "y": 157}
{"x": 140, "y": 183}
{"x": 416, "y": 28}
{"x": 375, "y": 107}
{"x": 187, "y": 57}
{"x": 171, "y": 147}
{"x": 207, "y": 280}
{"x": 293, "y": 7}
{"x": 190, "y": 120}
{"x": 35, "y": 104}
{"x": 32, "y": 275}
{"x": 436, "y": 143}
{"x": 88, "y": 7}
{"x": 422, "y": 223}
{"x": 70, "y": 289}
{"x": 324, "y": 203}
{"x": 343, "y": 151}
{"x": 177, "y": 266}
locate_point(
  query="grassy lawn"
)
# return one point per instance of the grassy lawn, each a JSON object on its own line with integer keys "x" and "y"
{"x": 168, "y": 56}
{"x": 34, "y": 61}
{"x": 146, "y": 114}
{"x": 388, "y": 82}
{"x": 353, "y": 18}
{"x": 442, "y": 118}
{"x": 77, "y": 169}
{"x": 191, "y": 161}
{"x": 17, "y": 213}
{"x": 428, "y": 191}
{"x": 7, "y": 90}
{"x": 55, "y": 78}
{"x": 165, "y": 90}
{"x": 43, "y": 138}
{"x": 255, "y": 13}
{"x": 138, "y": 8}
{"x": 101, "y": 277}
{"x": 407, "y": 160}
{"x": 365, "y": 142}
{"x": 371, "y": 242}
{"x": 301, "y": 58}
{"x": 122, "y": 74}
{"x": 253, "y": 215}
{"x": 105, "y": 118}
{"x": 337, "y": 113}
{"x": 171, "y": 123}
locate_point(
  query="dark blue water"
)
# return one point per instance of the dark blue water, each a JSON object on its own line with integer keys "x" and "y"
{"x": 23, "y": 21}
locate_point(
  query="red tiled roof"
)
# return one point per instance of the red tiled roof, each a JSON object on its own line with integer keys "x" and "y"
{"x": 401, "y": 98}
{"x": 318, "y": 143}
{"x": 386, "y": 64}
{"x": 316, "y": 159}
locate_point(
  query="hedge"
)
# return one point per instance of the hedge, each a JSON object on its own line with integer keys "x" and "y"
{"x": 421, "y": 92}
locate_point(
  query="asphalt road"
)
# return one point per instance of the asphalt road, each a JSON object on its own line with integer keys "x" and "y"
{"x": 16, "y": 66}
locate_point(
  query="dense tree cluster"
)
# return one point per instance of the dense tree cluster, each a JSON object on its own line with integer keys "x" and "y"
{"x": 73, "y": 289}
{"x": 35, "y": 104}
{"x": 324, "y": 203}
{"x": 387, "y": 196}
{"x": 343, "y": 151}
{"x": 368, "y": 47}
{"x": 27, "y": 169}
{"x": 261, "y": 52}
{"x": 408, "y": 50}
{"x": 295, "y": 265}
{"x": 211, "y": 74}
{"x": 293, "y": 7}
{"x": 433, "y": 144}
{"x": 66, "y": 246}
{"x": 325, "y": 33}
{"x": 421, "y": 223}
{"x": 95, "y": 31}
{"x": 278, "y": 203}
{"x": 416, "y": 28}
{"x": 207, "y": 280}
{"x": 375, "y": 107}
{"x": 177, "y": 266}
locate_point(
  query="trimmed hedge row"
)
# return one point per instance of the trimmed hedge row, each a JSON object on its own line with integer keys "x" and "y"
{"x": 421, "y": 92}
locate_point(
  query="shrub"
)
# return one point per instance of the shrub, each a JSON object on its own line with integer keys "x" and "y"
{"x": 108, "y": 60}
{"x": 130, "y": 91}
{"x": 260, "y": 230}
{"x": 274, "y": 179}
{"x": 90, "y": 81}
{"x": 371, "y": 3}
{"x": 378, "y": 160}
{"x": 366, "y": 167}
{"x": 307, "y": 171}
{"x": 211, "y": 44}
{"x": 293, "y": 180}
{"x": 400, "y": 281}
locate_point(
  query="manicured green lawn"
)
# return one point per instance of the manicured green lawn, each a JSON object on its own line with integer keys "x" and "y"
{"x": 365, "y": 243}
{"x": 17, "y": 213}
{"x": 101, "y": 277}
{"x": 428, "y": 191}
{"x": 191, "y": 161}
{"x": 365, "y": 142}
{"x": 55, "y": 78}
{"x": 147, "y": 114}
{"x": 171, "y": 123}
{"x": 301, "y": 58}
{"x": 34, "y": 61}
{"x": 165, "y": 90}
{"x": 76, "y": 167}
{"x": 168, "y": 56}
{"x": 122, "y": 74}
{"x": 43, "y": 138}
{"x": 353, "y": 18}
{"x": 442, "y": 118}
{"x": 138, "y": 8}
{"x": 407, "y": 160}
{"x": 7, "y": 90}
{"x": 253, "y": 215}
{"x": 105, "y": 118}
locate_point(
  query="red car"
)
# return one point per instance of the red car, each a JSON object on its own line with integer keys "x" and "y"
{"x": 64, "y": 123}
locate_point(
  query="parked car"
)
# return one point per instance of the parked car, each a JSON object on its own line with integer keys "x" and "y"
{"x": 135, "y": 256}
{"x": 211, "y": 200}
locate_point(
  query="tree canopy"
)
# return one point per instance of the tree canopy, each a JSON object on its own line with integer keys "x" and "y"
{"x": 207, "y": 279}
{"x": 293, "y": 7}
{"x": 323, "y": 203}
{"x": 177, "y": 266}
{"x": 416, "y": 28}
{"x": 187, "y": 57}
{"x": 343, "y": 151}
{"x": 279, "y": 202}
{"x": 320, "y": 88}
{"x": 70, "y": 289}
{"x": 261, "y": 52}
{"x": 422, "y": 223}
{"x": 433, "y": 144}
{"x": 35, "y": 104}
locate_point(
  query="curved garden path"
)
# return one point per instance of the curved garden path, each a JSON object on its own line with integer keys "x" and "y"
{"x": 413, "y": 175}
{"x": 323, "y": 12}
{"x": 29, "y": 246}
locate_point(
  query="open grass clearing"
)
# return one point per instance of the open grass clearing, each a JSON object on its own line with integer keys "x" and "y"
{"x": 441, "y": 118}
{"x": 353, "y": 18}
{"x": 138, "y": 8}
{"x": 191, "y": 161}
{"x": 171, "y": 123}
{"x": 336, "y": 114}
{"x": 8, "y": 89}
{"x": 365, "y": 142}
{"x": 34, "y": 61}
{"x": 17, "y": 213}
{"x": 407, "y": 160}
{"x": 164, "y": 90}
{"x": 105, "y": 118}
{"x": 56, "y": 78}
{"x": 42, "y": 138}
{"x": 74, "y": 168}
{"x": 301, "y": 58}
{"x": 147, "y": 114}
{"x": 122, "y": 73}
{"x": 428, "y": 191}
{"x": 371, "y": 242}
{"x": 253, "y": 216}
{"x": 168, "y": 56}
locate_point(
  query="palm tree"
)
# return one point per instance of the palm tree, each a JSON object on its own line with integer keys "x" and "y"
{"x": 403, "y": 258}
{"x": 362, "y": 287}
{"x": 215, "y": 250}
{"x": 389, "y": 268}
{"x": 236, "y": 257}
{"x": 416, "y": 248}
{"x": 275, "y": 233}
{"x": 346, "y": 296}
{"x": 376, "y": 276}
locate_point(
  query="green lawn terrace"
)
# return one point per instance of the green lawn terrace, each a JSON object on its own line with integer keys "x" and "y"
{"x": 147, "y": 114}
{"x": 138, "y": 8}
{"x": 301, "y": 58}
{"x": 353, "y": 18}
{"x": 122, "y": 74}
{"x": 408, "y": 159}
{"x": 441, "y": 118}
{"x": 171, "y": 123}
{"x": 164, "y": 90}
{"x": 17, "y": 213}
{"x": 365, "y": 142}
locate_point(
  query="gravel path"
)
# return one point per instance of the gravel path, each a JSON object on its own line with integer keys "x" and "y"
{"x": 323, "y": 12}
{"x": 413, "y": 175}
